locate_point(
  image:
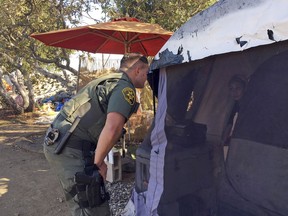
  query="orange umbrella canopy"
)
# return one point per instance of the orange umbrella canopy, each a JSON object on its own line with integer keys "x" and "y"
{"x": 119, "y": 36}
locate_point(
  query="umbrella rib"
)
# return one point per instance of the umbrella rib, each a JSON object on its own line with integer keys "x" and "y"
{"x": 135, "y": 36}
{"x": 100, "y": 46}
{"x": 146, "y": 53}
{"x": 131, "y": 41}
{"x": 127, "y": 43}
{"x": 101, "y": 34}
{"x": 108, "y": 37}
{"x": 147, "y": 39}
{"x": 68, "y": 38}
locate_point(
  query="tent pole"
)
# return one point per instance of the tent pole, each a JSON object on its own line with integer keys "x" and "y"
{"x": 154, "y": 101}
{"x": 154, "y": 105}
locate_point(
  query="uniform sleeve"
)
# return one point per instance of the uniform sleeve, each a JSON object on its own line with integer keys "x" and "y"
{"x": 122, "y": 100}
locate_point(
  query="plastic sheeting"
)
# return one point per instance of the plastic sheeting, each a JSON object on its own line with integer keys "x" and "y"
{"x": 227, "y": 26}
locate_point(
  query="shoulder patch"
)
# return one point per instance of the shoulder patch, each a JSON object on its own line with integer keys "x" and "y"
{"x": 129, "y": 95}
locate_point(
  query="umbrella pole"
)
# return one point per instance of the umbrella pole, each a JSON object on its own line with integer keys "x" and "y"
{"x": 128, "y": 122}
{"x": 127, "y": 48}
{"x": 78, "y": 74}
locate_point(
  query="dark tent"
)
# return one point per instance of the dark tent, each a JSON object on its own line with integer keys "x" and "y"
{"x": 182, "y": 167}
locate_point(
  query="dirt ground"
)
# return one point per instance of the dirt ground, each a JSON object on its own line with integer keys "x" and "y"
{"x": 27, "y": 185}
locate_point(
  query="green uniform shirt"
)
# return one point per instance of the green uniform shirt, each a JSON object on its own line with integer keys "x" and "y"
{"x": 122, "y": 99}
{"x": 110, "y": 93}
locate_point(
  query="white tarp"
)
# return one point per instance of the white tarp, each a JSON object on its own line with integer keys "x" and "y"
{"x": 227, "y": 26}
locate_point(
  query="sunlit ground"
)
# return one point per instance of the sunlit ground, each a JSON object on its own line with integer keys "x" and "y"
{"x": 11, "y": 132}
{"x": 3, "y": 186}
{"x": 41, "y": 171}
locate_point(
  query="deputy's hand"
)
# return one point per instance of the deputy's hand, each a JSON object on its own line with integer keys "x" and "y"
{"x": 103, "y": 170}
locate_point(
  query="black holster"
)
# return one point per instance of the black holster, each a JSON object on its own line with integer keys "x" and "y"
{"x": 95, "y": 192}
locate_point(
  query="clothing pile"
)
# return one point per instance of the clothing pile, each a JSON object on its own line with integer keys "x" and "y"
{"x": 55, "y": 102}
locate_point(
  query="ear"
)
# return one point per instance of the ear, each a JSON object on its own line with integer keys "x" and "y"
{"x": 137, "y": 71}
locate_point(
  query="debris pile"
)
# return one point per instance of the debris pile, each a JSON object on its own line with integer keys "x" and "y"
{"x": 54, "y": 102}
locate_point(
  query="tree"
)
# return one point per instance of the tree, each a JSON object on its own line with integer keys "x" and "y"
{"x": 168, "y": 14}
{"x": 22, "y": 56}
{"x": 24, "y": 59}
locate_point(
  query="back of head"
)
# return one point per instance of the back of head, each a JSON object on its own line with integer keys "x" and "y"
{"x": 130, "y": 59}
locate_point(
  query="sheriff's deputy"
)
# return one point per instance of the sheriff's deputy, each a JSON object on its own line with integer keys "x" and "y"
{"x": 92, "y": 121}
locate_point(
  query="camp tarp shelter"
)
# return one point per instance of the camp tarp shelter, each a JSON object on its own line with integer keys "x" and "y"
{"x": 180, "y": 166}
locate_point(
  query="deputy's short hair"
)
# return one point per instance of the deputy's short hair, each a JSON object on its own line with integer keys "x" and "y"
{"x": 130, "y": 59}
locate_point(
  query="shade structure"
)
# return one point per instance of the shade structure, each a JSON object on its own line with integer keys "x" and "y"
{"x": 119, "y": 36}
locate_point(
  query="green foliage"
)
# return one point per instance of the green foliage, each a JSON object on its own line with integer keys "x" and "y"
{"x": 168, "y": 14}
{"x": 18, "y": 51}
{"x": 19, "y": 21}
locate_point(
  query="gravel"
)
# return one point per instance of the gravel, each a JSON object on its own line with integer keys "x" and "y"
{"x": 120, "y": 193}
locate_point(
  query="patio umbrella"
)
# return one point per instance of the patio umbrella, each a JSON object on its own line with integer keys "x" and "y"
{"x": 119, "y": 36}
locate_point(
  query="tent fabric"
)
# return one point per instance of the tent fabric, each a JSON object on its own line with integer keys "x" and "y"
{"x": 159, "y": 143}
{"x": 149, "y": 205}
{"x": 258, "y": 156}
{"x": 183, "y": 170}
{"x": 189, "y": 174}
{"x": 227, "y": 26}
{"x": 251, "y": 166}
{"x": 263, "y": 116}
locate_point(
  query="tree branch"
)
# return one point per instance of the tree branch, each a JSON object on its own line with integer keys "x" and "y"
{"x": 64, "y": 82}
{"x": 56, "y": 61}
